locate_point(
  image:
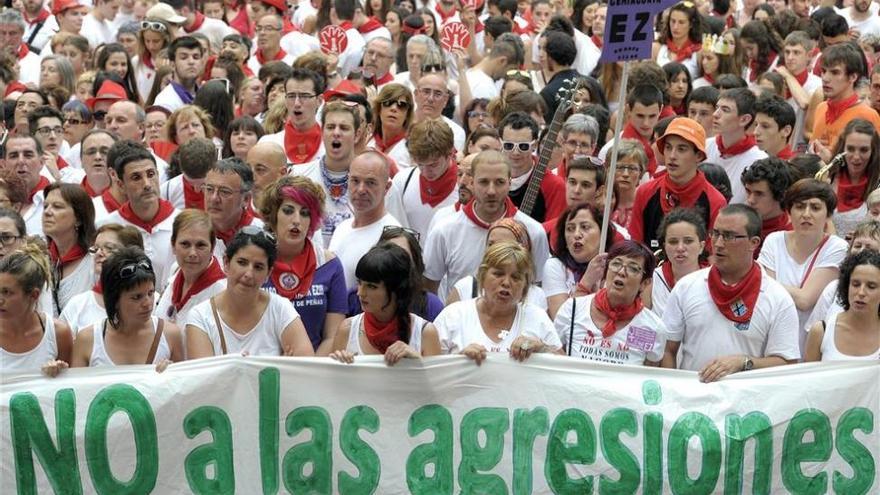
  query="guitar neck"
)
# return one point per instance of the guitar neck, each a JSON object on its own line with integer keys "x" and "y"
{"x": 547, "y": 147}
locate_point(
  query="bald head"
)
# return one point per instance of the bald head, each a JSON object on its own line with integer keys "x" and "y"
{"x": 268, "y": 162}
{"x": 125, "y": 119}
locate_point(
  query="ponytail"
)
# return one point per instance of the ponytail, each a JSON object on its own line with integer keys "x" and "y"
{"x": 29, "y": 265}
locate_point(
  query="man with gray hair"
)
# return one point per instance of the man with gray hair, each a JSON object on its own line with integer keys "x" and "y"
{"x": 378, "y": 57}
{"x": 578, "y": 138}
{"x": 228, "y": 188}
{"x": 127, "y": 120}
{"x": 12, "y": 28}
{"x": 417, "y": 48}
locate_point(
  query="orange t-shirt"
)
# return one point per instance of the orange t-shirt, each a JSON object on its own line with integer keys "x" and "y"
{"x": 828, "y": 134}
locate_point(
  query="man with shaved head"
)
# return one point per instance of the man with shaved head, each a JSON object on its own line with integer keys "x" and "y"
{"x": 268, "y": 163}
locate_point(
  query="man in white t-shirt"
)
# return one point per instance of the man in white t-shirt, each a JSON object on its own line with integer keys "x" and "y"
{"x": 12, "y": 28}
{"x": 378, "y": 58}
{"x": 732, "y": 316}
{"x": 342, "y": 15}
{"x": 23, "y": 157}
{"x": 482, "y": 76}
{"x": 187, "y": 61}
{"x": 862, "y": 21}
{"x": 457, "y": 241}
{"x": 98, "y": 25}
{"x": 197, "y": 22}
{"x": 368, "y": 181}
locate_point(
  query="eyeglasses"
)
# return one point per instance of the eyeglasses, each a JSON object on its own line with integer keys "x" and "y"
{"x": 435, "y": 94}
{"x": 629, "y": 169}
{"x": 632, "y": 270}
{"x": 577, "y": 145}
{"x": 99, "y": 115}
{"x": 477, "y": 114}
{"x": 153, "y": 26}
{"x": 224, "y": 192}
{"x": 727, "y": 236}
{"x": 523, "y": 146}
{"x": 70, "y": 121}
{"x": 104, "y": 150}
{"x": 7, "y": 239}
{"x": 268, "y": 29}
{"x": 299, "y": 96}
{"x": 401, "y": 104}
{"x": 394, "y": 231}
{"x": 107, "y": 249}
{"x": 47, "y": 131}
{"x": 129, "y": 270}
{"x": 254, "y": 231}
{"x": 374, "y": 53}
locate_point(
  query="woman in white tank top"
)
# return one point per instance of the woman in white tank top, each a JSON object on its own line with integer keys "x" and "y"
{"x": 385, "y": 288}
{"x": 853, "y": 334}
{"x": 69, "y": 226}
{"x": 129, "y": 334}
{"x": 29, "y": 340}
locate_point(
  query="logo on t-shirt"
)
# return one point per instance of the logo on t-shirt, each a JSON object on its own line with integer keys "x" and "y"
{"x": 289, "y": 281}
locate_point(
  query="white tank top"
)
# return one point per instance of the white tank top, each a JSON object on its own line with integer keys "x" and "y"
{"x": 100, "y": 357}
{"x": 829, "y": 349}
{"x": 34, "y": 359}
{"x": 415, "y": 333}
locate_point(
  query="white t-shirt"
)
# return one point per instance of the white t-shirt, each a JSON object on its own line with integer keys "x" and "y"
{"x": 404, "y": 201}
{"x": 482, "y": 86}
{"x": 254, "y": 65}
{"x": 99, "y": 356}
{"x": 417, "y": 324}
{"x": 558, "y": 279}
{"x": 33, "y": 217}
{"x": 215, "y": 30}
{"x": 297, "y": 43}
{"x": 867, "y": 27}
{"x": 458, "y": 326}
{"x": 587, "y": 53}
{"x": 98, "y": 32}
{"x": 169, "y": 99}
{"x": 774, "y": 256}
{"x": 350, "y": 244}
{"x": 83, "y": 310}
{"x": 164, "y": 309}
{"x": 264, "y": 339}
{"x": 465, "y": 289}
{"x": 33, "y": 360}
{"x": 734, "y": 166}
{"x": 644, "y": 337}
{"x": 351, "y": 57}
{"x": 692, "y": 319}
{"x": 399, "y": 153}
{"x": 29, "y": 69}
{"x": 826, "y": 306}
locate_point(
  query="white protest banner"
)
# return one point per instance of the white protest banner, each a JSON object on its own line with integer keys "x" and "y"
{"x": 442, "y": 426}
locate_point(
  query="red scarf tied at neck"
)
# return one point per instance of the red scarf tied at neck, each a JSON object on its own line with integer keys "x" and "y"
{"x": 801, "y": 79}
{"x": 301, "y": 147}
{"x": 43, "y": 184}
{"x": 384, "y": 146}
{"x": 684, "y": 52}
{"x": 193, "y": 197}
{"x": 165, "y": 211}
{"x": 197, "y": 23}
{"x": 850, "y": 196}
{"x": 212, "y": 274}
{"x": 293, "y": 280}
{"x": 468, "y": 209}
{"x": 261, "y": 57}
{"x": 371, "y": 25}
{"x": 75, "y": 253}
{"x": 597, "y": 41}
{"x": 615, "y": 313}
{"x": 433, "y": 192}
{"x": 837, "y": 107}
{"x": 630, "y": 132}
{"x": 381, "y": 335}
{"x": 672, "y": 194}
{"x": 775, "y": 224}
{"x": 736, "y": 302}
{"x": 246, "y": 218}
{"x": 736, "y": 148}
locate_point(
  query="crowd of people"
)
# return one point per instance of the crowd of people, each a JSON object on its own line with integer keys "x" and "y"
{"x": 185, "y": 179}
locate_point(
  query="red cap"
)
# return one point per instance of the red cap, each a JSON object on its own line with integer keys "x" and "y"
{"x": 344, "y": 88}
{"x": 60, "y": 6}
{"x": 280, "y": 5}
{"x": 13, "y": 87}
{"x": 109, "y": 91}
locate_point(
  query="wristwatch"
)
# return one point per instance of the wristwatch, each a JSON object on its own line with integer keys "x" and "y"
{"x": 748, "y": 364}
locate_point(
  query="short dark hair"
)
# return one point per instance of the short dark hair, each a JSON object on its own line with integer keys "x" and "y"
{"x": 187, "y": 42}
{"x": 717, "y": 176}
{"x": 124, "y": 152}
{"x": 30, "y": 137}
{"x": 263, "y": 240}
{"x": 866, "y": 257}
{"x": 197, "y": 157}
{"x": 302, "y": 74}
{"x": 730, "y": 81}
{"x": 558, "y": 23}
{"x": 234, "y": 165}
{"x": 848, "y": 55}
{"x": 498, "y": 25}
{"x": 806, "y": 189}
{"x": 692, "y": 216}
{"x": 588, "y": 165}
{"x": 42, "y": 113}
{"x": 95, "y": 132}
{"x": 114, "y": 285}
{"x": 517, "y": 121}
{"x": 646, "y": 94}
{"x": 744, "y": 99}
{"x": 633, "y": 249}
{"x": 704, "y": 94}
{"x": 560, "y": 48}
{"x": 777, "y": 109}
{"x": 507, "y": 7}
{"x": 753, "y": 219}
{"x": 345, "y": 8}
{"x": 834, "y": 25}
{"x": 773, "y": 170}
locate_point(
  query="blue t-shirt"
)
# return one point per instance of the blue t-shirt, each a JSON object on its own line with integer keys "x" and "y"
{"x": 326, "y": 295}
{"x": 433, "y": 306}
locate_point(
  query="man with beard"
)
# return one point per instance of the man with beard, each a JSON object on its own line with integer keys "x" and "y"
{"x": 37, "y": 33}
{"x": 862, "y": 21}
{"x": 187, "y": 62}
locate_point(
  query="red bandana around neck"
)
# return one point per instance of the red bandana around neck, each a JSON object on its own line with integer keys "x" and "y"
{"x": 246, "y": 218}
{"x": 75, "y": 253}
{"x": 88, "y": 188}
{"x": 468, "y": 209}
{"x": 301, "y": 147}
{"x": 779, "y": 222}
{"x": 387, "y": 78}
{"x": 684, "y": 52}
{"x": 736, "y": 302}
{"x": 372, "y": 24}
{"x": 384, "y": 146}
{"x": 192, "y": 196}
{"x": 211, "y": 274}
{"x": 433, "y": 192}
{"x": 165, "y": 211}
{"x": 754, "y": 71}
{"x": 197, "y": 23}
{"x": 293, "y": 280}
{"x": 668, "y": 276}
{"x": 786, "y": 153}
{"x": 98, "y": 288}
{"x": 110, "y": 202}
{"x": 850, "y": 196}
{"x": 630, "y": 132}
{"x": 43, "y": 184}
{"x": 615, "y": 313}
{"x": 381, "y": 335}
{"x": 41, "y": 17}
{"x": 672, "y": 194}
{"x": 837, "y": 107}
{"x": 261, "y": 57}
{"x": 23, "y": 51}
{"x": 736, "y": 148}
{"x": 801, "y": 79}
{"x": 345, "y": 25}
{"x": 596, "y": 41}
{"x": 444, "y": 16}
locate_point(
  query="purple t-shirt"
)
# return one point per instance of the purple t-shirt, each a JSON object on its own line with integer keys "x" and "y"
{"x": 327, "y": 294}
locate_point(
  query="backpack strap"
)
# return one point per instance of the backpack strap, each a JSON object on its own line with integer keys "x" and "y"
{"x": 156, "y": 339}
{"x": 571, "y": 326}
{"x": 408, "y": 178}
{"x": 219, "y": 326}
{"x": 474, "y": 288}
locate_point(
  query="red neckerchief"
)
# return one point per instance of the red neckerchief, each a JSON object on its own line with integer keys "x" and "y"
{"x": 43, "y": 184}
{"x": 775, "y": 224}
{"x": 110, "y": 202}
{"x": 444, "y": 16}
{"x": 192, "y": 197}
{"x": 387, "y": 78}
{"x": 457, "y": 206}
{"x": 850, "y": 196}
{"x": 211, "y": 274}
{"x": 23, "y": 51}
{"x": 562, "y": 169}
{"x": 381, "y": 335}
{"x": 242, "y": 23}
{"x": 684, "y": 52}
{"x": 668, "y": 276}
{"x": 754, "y": 71}
{"x": 786, "y": 153}
{"x": 246, "y": 218}
{"x": 596, "y": 41}
{"x": 736, "y": 302}
{"x": 382, "y": 146}
{"x": 163, "y": 149}
{"x": 345, "y": 25}
{"x": 301, "y": 147}
{"x": 147, "y": 60}
{"x": 433, "y": 192}
{"x": 88, "y": 188}
{"x": 667, "y": 111}
{"x": 165, "y": 211}
{"x": 287, "y": 27}
{"x": 98, "y": 287}
{"x": 41, "y": 17}
{"x": 615, "y": 313}
{"x": 75, "y": 253}
{"x": 630, "y": 132}
{"x": 261, "y": 58}
{"x": 736, "y": 148}
{"x": 817, "y": 66}
{"x": 801, "y": 79}
{"x": 680, "y": 110}
{"x": 709, "y": 79}
{"x": 197, "y": 23}
{"x": 293, "y": 280}
{"x": 61, "y": 163}
{"x": 837, "y": 107}
{"x": 372, "y": 24}
{"x": 672, "y": 194}
{"x": 468, "y": 209}
{"x": 478, "y": 27}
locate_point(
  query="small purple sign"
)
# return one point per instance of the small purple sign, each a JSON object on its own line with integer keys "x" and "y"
{"x": 641, "y": 338}
{"x": 629, "y": 29}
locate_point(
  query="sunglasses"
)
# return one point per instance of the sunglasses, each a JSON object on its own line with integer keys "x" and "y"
{"x": 224, "y": 81}
{"x": 426, "y": 69}
{"x": 154, "y": 26}
{"x": 129, "y": 270}
{"x": 510, "y": 145}
{"x": 254, "y": 231}
{"x": 99, "y": 115}
{"x": 394, "y": 231}
{"x": 401, "y": 104}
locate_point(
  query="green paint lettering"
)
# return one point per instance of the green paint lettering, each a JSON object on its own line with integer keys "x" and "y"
{"x": 795, "y": 451}
{"x": 614, "y": 423}
{"x": 739, "y": 430}
{"x": 560, "y": 452}
{"x": 689, "y": 425}
{"x": 854, "y": 453}
{"x": 270, "y": 391}
{"x": 316, "y": 454}
{"x": 527, "y": 425}
{"x": 217, "y": 454}
{"x": 437, "y": 453}
{"x": 358, "y": 451}
{"x": 653, "y": 453}
{"x": 493, "y": 422}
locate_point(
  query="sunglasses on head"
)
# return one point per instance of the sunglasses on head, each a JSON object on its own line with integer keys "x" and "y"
{"x": 254, "y": 231}
{"x": 130, "y": 269}
{"x": 154, "y": 26}
{"x": 394, "y": 230}
{"x": 401, "y": 104}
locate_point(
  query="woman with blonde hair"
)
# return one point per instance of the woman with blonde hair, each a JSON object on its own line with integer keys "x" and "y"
{"x": 189, "y": 122}
{"x": 153, "y": 37}
{"x": 393, "y": 112}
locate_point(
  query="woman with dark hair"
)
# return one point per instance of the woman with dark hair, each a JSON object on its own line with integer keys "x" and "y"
{"x": 761, "y": 47}
{"x": 583, "y": 12}
{"x": 476, "y": 115}
{"x": 162, "y": 79}
{"x": 432, "y": 27}
{"x": 682, "y": 38}
{"x": 113, "y": 58}
{"x": 858, "y": 175}
{"x": 717, "y": 176}
{"x": 130, "y": 334}
{"x": 244, "y": 318}
{"x": 682, "y": 235}
{"x": 69, "y": 226}
{"x": 576, "y": 267}
{"x": 393, "y": 114}
{"x": 153, "y": 37}
{"x": 590, "y": 91}
{"x": 680, "y": 86}
{"x": 386, "y": 327}
{"x": 853, "y": 334}
{"x": 394, "y": 23}
{"x": 602, "y": 327}
{"x": 241, "y": 135}
{"x": 482, "y": 139}
{"x": 377, "y": 9}
{"x": 715, "y": 59}
{"x": 214, "y": 98}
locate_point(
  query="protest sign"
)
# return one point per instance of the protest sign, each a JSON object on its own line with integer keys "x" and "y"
{"x": 441, "y": 426}
{"x": 455, "y": 36}
{"x": 333, "y": 39}
{"x": 629, "y": 29}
